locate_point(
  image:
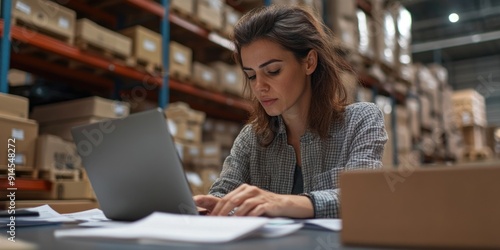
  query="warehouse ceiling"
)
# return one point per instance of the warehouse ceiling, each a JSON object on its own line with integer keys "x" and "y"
{"x": 436, "y": 39}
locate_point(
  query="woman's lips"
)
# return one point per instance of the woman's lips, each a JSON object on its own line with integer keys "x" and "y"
{"x": 268, "y": 102}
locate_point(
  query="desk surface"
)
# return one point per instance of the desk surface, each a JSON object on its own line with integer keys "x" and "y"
{"x": 43, "y": 237}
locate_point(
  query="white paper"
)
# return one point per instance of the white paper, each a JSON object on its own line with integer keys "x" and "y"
{"x": 88, "y": 215}
{"x": 273, "y": 230}
{"x": 330, "y": 224}
{"x": 46, "y": 213}
{"x": 177, "y": 228}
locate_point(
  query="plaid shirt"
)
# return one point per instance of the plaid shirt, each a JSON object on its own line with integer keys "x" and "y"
{"x": 357, "y": 143}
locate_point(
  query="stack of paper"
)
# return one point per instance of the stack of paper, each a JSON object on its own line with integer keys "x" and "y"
{"x": 172, "y": 227}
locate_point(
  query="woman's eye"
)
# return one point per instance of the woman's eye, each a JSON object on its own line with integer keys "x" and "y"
{"x": 251, "y": 77}
{"x": 274, "y": 72}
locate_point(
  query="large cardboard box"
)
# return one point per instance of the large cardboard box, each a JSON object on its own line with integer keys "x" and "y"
{"x": 180, "y": 60}
{"x": 455, "y": 207}
{"x": 52, "y": 152}
{"x": 14, "y": 106}
{"x": 146, "y": 44}
{"x": 46, "y": 16}
{"x": 91, "y": 106}
{"x": 90, "y": 33}
{"x": 469, "y": 107}
{"x": 184, "y": 124}
{"x": 23, "y": 133}
{"x": 210, "y": 12}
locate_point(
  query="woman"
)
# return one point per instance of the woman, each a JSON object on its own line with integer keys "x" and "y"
{"x": 302, "y": 132}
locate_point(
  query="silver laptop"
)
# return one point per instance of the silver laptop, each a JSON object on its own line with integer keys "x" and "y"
{"x": 133, "y": 166}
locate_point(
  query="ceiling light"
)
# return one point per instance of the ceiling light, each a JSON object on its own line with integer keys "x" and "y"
{"x": 453, "y": 17}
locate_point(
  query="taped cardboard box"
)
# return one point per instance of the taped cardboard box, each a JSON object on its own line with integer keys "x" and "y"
{"x": 46, "y": 16}
{"x": 14, "y": 106}
{"x": 146, "y": 44}
{"x": 454, "y": 207}
{"x": 231, "y": 17}
{"x": 91, "y": 106}
{"x": 21, "y": 134}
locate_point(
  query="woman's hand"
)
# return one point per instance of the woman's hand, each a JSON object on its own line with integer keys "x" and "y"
{"x": 207, "y": 202}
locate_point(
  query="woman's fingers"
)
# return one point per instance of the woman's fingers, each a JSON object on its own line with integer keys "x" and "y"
{"x": 234, "y": 199}
{"x": 206, "y": 201}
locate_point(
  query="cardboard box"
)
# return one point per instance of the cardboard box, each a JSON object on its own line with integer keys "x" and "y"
{"x": 205, "y": 76}
{"x": 210, "y": 12}
{"x": 182, "y": 111}
{"x": 190, "y": 153}
{"x": 46, "y": 16}
{"x": 403, "y": 20}
{"x": 185, "y": 7}
{"x": 52, "y": 152}
{"x": 341, "y": 9}
{"x": 474, "y": 137}
{"x": 63, "y": 128}
{"x": 180, "y": 60}
{"x": 366, "y": 45}
{"x": 90, "y": 33}
{"x": 81, "y": 108}
{"x": 24, "y": 132}
{"x": 184, "y": 131}
{"x": 146, "y": 44}
{"x": 14, "y": 106}
{"x": 351, "y": 84}
{"x": 230, "y": 78}
{"x": 453, "y": 207}
{"x": 211, "y": 154}
{"x": 231, "y": 17}
{"x": 469, "y": 107}
{"x": 19, "y": 78}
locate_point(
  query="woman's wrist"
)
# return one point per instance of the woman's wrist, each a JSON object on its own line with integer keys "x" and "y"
{"x": 297, "y": 206}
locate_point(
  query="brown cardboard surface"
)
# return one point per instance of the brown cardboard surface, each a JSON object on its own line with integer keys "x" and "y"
{"x": 231, "y": 17}
{"x": 79, "y": 108}
{"x": 210, "y": 12}
{"x": 180, "y": 58}
{"x": 93, "y": 34}
{"x": 52, "y": 152}
{"x": 146, "y": 44}
{"x": 24, "y": 132}
{"x": 17, "y": 77}
{"x": 184, "y": 6}
{"x": 205, "y": 76}
{"x": 46, "y": 15}
{"x": 63, "y": 128}
{"x": 14, "y": 105}
{"x": 455, "y": 207}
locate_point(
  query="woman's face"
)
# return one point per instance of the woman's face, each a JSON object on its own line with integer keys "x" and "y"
{"x": 277, "y": 79}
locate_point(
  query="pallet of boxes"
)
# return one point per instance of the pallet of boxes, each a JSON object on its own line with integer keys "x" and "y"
{"x": 470, "y": 115}
{"x": 57, "y": 158}
{"x": 18, "y": 135}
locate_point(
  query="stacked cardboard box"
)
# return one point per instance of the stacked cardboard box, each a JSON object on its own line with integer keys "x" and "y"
{"x": 385, "y": 32}
{"x": 366, "y": 35}
{"x": 185, "y": 124}
{"x": 230, "y": 78}
{"x": 205, "y": 76}
{"x": 146, "y": 46}
{"x": 180, "y": 61}
{"x": 19, "y": 78}
{"x": 88, "y": 34}
{"x": 59, "y": 118}
{"x": 185, "y": 7}
{"x": 47, "y": 17}
{"x": 403, "y": 54}
{"x": 231, "y": 17}
{"x": 210, "y": 13}
{"x": 18, "y": 131}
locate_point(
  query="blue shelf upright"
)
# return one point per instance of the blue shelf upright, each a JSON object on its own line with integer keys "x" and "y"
{"x": 163, "y": 92}
{"x": 5, "y": 46}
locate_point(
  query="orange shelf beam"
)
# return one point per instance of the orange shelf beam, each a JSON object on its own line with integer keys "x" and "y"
{"x": 60, "y": 48}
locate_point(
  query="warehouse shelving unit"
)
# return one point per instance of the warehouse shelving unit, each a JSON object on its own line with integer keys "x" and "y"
{"x": 213, "y": 103}
{"x": 237, "y": 107}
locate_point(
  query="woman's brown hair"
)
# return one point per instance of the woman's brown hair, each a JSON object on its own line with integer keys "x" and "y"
{"x": 298, "y": 30}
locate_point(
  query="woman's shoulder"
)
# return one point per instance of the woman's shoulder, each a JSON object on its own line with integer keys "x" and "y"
{"x": 362, "y": 112}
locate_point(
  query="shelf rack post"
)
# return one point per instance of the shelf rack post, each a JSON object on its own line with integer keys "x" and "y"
{"x": 5, "y": 46}
{"x": 163, "y": 92}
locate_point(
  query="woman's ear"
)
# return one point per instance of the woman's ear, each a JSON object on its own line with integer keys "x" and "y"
{"x": 311, "y": 61}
